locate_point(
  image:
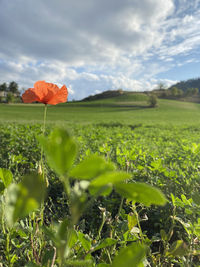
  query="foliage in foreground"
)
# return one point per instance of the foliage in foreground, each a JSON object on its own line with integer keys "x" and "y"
{"x": 80, "y": 218}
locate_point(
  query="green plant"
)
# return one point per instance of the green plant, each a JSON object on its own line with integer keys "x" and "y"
{"x": 153, "y": 101}
{"x": 164, "y": 156}
{"x": 90, "y": 179}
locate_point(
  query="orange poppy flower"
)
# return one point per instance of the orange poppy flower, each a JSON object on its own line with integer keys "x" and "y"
{"x": 46, "y": 93}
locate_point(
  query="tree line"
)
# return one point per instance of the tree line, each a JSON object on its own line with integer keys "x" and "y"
{"x": 191, "y": 83}
{"x": 9, "y": 93}
{"x": 176, "y": 91}
{"x": 12, "y": 87}
{"x": 172, "y": 92}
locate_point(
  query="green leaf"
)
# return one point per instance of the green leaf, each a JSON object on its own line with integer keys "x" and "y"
{"x": 10, "y": 203}
{"x": 173, "y": 200}
{"x": 132, "y": 221}
{"x": 187, "y": 226}
{"x": 196, "y": 198}
{"x": 81, "y": 263}
{"x": 63, "y": 229}
{"x": 186, "y": 201}
{"x": 25, "y": 197}
{"x": 13, "y": 259}
{"x": 178, "y": 248}
{"x": 91, "y": 167}
{"x": 31, "y": 264}
{"x": 65, "y": 233}
{"x": 101, "y": 191}
{"x": 6, "y": 177}
{"x": 142, "y": 193}
{"x": 163, "y": 235}
{"x": 60, "y": 150}
{"x": 85, "y": 241}
{"x": 22, "y": 234}
{"x": 48, "y": 255}
{"x": 73, "y": 238}
{"x": 105, "y": 243}
{"x": 2, "y": 187}
{"x": 129, "y": 256}
{"x": 51, "y": 234}
{"x": 109, "y": 178}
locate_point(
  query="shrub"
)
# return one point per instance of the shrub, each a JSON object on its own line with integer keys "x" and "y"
{"x": 153, "y": 101}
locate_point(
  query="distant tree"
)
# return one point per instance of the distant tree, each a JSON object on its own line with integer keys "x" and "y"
{"x": 165, "y": 93}
{"x": 153, "y": 100}
{"x": 195, "y": 91}
{"x": 192, "y": 91}
{"x": 3, "y": 87}
{"x": 180, "y": 92}
{"x": 188, "y": 92}
{"x": 184, "y": 85}
{"x": 10, "y": 98}
{"x": 13, "y": 87}
{"x": 174, "y": 91}
{"x": 161, "y": 86}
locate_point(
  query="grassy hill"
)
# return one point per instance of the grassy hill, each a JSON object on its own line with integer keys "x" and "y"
{"x": 128, "y": 108}
{"x": 115, "y": 95}
{"x": 114, "y": 99}
{"x": 121, "y": 97}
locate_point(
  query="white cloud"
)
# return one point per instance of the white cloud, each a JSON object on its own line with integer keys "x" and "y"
{"x": 77, "y": 32}
{"x": 92, "y": 46}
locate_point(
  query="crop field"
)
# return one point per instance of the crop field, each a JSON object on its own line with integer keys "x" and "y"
{"x": 106, "y": 183}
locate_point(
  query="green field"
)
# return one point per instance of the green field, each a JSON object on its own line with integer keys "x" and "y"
{"x": 128, "y": 180}
{"x": 168, "y": 112}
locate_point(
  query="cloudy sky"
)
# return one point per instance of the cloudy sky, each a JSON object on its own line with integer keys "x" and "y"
{"x": 97, "y": 45}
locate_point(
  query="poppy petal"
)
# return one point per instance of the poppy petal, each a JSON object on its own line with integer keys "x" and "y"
{"x": 40, "y": 89}
{"x": 45, "y": 91}
{"x": 53, "y": 87}
{"x": 59, "y": 97}
{"x": 42, "y": 85}
{"x": 29, "y": 96}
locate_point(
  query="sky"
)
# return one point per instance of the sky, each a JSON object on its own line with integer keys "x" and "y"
{"x": 96, "y": 45}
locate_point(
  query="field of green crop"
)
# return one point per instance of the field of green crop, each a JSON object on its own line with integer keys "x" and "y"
{"x": 119, "y": 187}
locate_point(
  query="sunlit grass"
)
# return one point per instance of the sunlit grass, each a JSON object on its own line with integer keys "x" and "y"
{"x": 167, "y": 112}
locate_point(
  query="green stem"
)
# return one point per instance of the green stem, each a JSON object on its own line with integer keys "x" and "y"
{"x": 101, "y": 226}
{"x": 117, "y": 217}
{"x": 8, "y": 248}
{"x": 120, "y": 207}
{"x": 3, "y": 216}
{"x": 66, "y": 184}
{"x": 31, "y": 235}
{"x": 42, "y": 152}
{"x": 43, "y": 175}
{"x": 138, "y": 223}
{"x": 43, "y": 132}
{"x": 44, "y": 121}
{"x": 6, "y": 234}
{"x": 109, "y": 257}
